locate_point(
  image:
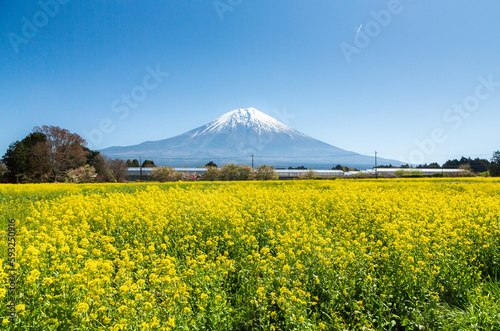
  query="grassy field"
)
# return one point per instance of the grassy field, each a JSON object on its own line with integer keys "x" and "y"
{"x": 399, "y": 254}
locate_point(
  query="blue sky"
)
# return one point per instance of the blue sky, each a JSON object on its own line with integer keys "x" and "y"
{"x": 416, "y": 81}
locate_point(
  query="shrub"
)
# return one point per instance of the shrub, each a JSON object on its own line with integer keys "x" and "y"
{"x": 83, "y": 174}
{"x": 229, "y": 172}
{"x": 164, "y": 174}
{"x": 212, "y": 174}
{"x": 246, "y": 172}
{"x": 265, "y": 172}
{"x": 309, "y": 174}
{"x": 236, "y": 172}
{"x": 187, "y": 177}
{"x": 361, "y": 175}
{"x": 409, "y": 173}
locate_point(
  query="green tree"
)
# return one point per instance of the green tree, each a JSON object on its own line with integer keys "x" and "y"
{"x": 211, "y": 164}
{"x": 495, "y": 164}
{"x": 21, "y": 162}
{"x": 148, "y": 164}
{"x": 92, "y": 156}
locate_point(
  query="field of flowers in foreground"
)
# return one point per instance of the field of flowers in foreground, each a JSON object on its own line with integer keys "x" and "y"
{"x": 297, "y": 255}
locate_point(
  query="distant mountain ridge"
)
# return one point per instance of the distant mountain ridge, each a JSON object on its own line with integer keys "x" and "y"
{"x": 235, "y": 136}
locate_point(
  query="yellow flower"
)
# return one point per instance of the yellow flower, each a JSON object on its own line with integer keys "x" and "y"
{"x": 82, "y": 307}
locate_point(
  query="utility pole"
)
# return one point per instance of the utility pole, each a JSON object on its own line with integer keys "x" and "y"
{"x": 140, "y": 169}
{"x": 252, "y": 160}
{"x": 376, "y": 173}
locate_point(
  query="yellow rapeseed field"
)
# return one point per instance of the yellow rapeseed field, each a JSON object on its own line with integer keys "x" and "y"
{"x": 298, "y": 255}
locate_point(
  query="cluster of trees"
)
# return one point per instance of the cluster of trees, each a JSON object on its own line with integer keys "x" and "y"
{"x": 476, "y": 165}
{"x": 345, "y": 169}
{"x": 135, "y": 164}
{"x": 494, "y": 167}
{"x": 240, "y": 172}
{"x": 52, "y": 154}
{"x": 227, "y": 172}
{"x": 132, "y": 164}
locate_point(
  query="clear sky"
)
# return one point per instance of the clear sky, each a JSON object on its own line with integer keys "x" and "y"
{"x": 415, "y": 80}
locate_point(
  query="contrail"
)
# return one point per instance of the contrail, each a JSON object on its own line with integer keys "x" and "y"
{"x": 358, "y": 30}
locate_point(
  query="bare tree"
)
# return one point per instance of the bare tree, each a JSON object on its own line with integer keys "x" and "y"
{"x": 118, "y": 169}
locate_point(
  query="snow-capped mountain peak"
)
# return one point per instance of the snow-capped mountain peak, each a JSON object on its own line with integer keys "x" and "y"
{"x": 238, "y": 134}
{"x": 249, "y": 118}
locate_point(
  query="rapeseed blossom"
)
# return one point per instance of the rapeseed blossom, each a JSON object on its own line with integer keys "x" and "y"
{"x": 305, "y": 255}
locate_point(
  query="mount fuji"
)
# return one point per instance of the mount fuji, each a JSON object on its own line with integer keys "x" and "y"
{"x": 235, "y": 136}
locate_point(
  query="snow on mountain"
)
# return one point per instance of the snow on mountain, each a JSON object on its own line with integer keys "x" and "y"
{"x": 238, "y": 134}
{"x": 247, "y": 117}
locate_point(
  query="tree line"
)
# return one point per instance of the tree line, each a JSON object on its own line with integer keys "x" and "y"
{"x": 227, "y": 172}
{"x": 488, "y": 167}
{"x": 135, "y": 164}
{"x": 53, "y": 154}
